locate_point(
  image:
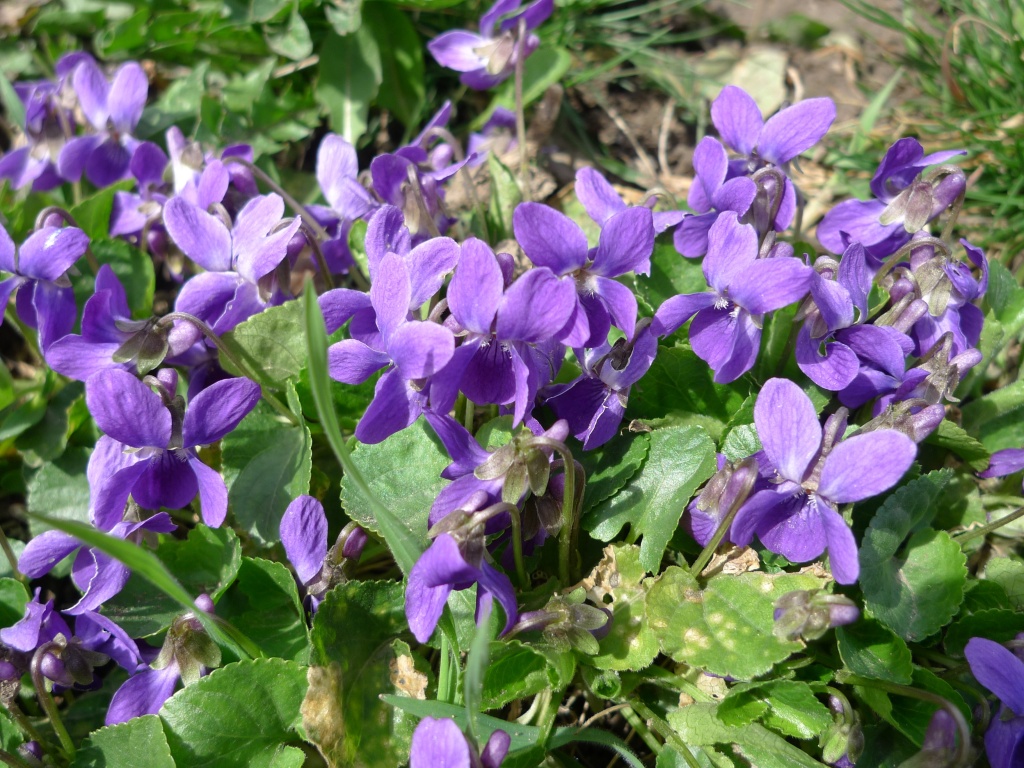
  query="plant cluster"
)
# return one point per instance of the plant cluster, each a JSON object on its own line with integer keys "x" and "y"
{"x": 670, "y": 468}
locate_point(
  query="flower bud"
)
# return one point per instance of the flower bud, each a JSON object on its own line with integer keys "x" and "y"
{"x": 188, "y": 645}
{"x": 809, "y": 614}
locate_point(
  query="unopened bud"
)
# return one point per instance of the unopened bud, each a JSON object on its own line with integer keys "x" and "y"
{"x": 809, "y": 614}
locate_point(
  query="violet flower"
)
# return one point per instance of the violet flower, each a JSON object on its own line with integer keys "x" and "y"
{"x": 489, "y": 57}
{"x": 438, "y": 743}
{"x": 136, "y": 213}
{"x": 816, "y": 471}
{"x": 1002, "y": 672}
{"x": 553, "y": 240}
{"x": 498, "y": 135}
{"x": 39, "y": 268}
{"x": 712, "y": 193}
{"x": 238, "y": 261}
{"x": 149, "y": 449}
{"x": 98, "y": 575}
{"x": 113, "y": 108}
{"x": 600, "y": 200}
{"x": 595, "y": 402}
{"x": 903, "y": 204}
{"x": 726, "y": 327}
{"x": 415, "y": 349}
{"x": 504, "y": 357}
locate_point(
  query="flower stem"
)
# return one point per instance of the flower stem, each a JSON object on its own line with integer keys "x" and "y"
{"x": 11, "y": 557}
{"x": 230, "y": 356}
{"x": 517, "y": 546}
{"x": 641, "y": 728}
{"x": 720, "y": 531}
{"x": 524, "y": 169}
{"x": 46, "y": 699}
{"x": 666, "y": 731}
{"x": 963, "y": 538}
{"x": 7, "y": 758}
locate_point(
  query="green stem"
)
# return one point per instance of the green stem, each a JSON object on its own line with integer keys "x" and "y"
{"x": 567, "y": 535}
{"x": 46, "y": 699}
{"x": 445, "y": 686}
{"x": 963, "y": 743}
{"x": 641, "y": 728}
{"x": 11, "y": 557}
{"x": 723, "y": 527}
{"x": 469, "y": 414}
{"x": 27, "y": 728}
{"x": 962, "y": 538}
{"x": 517, "y": 546}
{"x": 12, "y": 760}
{"x": 230, "y": 356}
{"x": 666, "y": 731}
{"x": 524, "y": 169}
{"x": 546, "y": 719}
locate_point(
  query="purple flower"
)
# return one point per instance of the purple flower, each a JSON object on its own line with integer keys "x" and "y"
{"x": 438, "y": 743}
{"x": 133, "y": 214}
{"x": 498, "y": 135}
{"x": 149, "y": 449}
{"x": 726, "y": 328}
{"x": 238, "y": 262}
{"x": 414, "y": 349}
{"x": 98, "y": 575}
{"x": 815, "y": 472}
{"x": 595, "y": 402}
{"x": 506, "y": 332}
{"x": 710, "y": 195}
{"x": 903, "y": 204}
{"x": 487, "y": 58}
{"x": 113, "y": 109}
{"x": 1002, "y": 672}
{"x": 40, "y": 267}
{"x": 38, "y": 626}
{"x": 601, "y": 201}
{"x": 553, "y": 240}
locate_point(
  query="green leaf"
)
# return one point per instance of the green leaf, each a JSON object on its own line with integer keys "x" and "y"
{"x": 402, "y": 89}
{"x": 272, "y": 344}
{"x": 631, "y": 643}
{"x": 680, "y": 460}
{"x": 350, "y": 75}
{"x": 911, "y": 716}
{"x": 93, "y": 214}
{"x": 13, "y": 598}
{"x": 11, "y": 736}
{"x": 145, "y": 564}
{"x": 1008, "y": 573}
{"x": 603, "y": 738}
{"x": 671, "y": 274}
{"x": 344, "y": 15}
{"x": 726, "y": 629}
{"x": 60, "y": 490}
{"x": 244, "y": 715}
{"x": 476, "y": 666}
{"x": 523, "y": 736}
{"x": 698, "y": 726}
{"x": 6, "y": 385}
{"x": 610, "y": 466}
{"x": 679, "y": 389}
{"x": 956, "y": 440}
{"x": 140, "y": 741}
{"x": 206, "y": 562}
{"x": 505, "y": 196}
{"x": 266, "y": 464}
{"x": 999, "y": 624}
{"x": 545, "y": 67}
{"x": 997, "y": 419}
{"x": 46, "y": 440}
{"x": 787, "y": 706}
{"x": 870, "y": 649}
{"x": 405, "y": 543}
{"x": 13, "y": 106}
{"x": 517, "y": 670}
{"x": 364, "y": 657}
{"x": 916, "y": 589}
{"x": 263, "y": 603}
{"x": 294, "y": 41}
{"x": 404, "y": 472}
{"x": 741, "y": 442}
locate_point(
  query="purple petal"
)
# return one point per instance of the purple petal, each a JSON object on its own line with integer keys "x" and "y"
{"x": 488, "y": 376}
{"x": 759, "y": 507}
{"x": 691, "y": 239}
{"x": 737, "y": 118}
{"x": 834, "y": 370}
{"x": 462, "y": 447}
{"x": 340, "y": 304}
{"x": 208, "y": 294}
{"x": 866, "y": 465}
{"x": 394, "y": 407}
{"x": 833, "y": 302}
{"x": 769, "y": 284}
{"x": 710, "y": 165}
{"x": 44, "y": 551}
{"x": 476, "y": 288}
{"x": 795, "y": 129}
{"x": 1004, "y": 740}
{"x": 439, "y": 743}
{"x": 386, "y": 233}
{"x": 788, "y": 428}
{"x": 127, "y": 96}
{"x": 112, "y": 475}
{"x": 51, "y": 251}
{"x": 549, "y": 238}
{"x": 217, "y": 410}
{"x": 998, "y": 669}
{"x": 732, "y": 249}
{"x": 127, "y": 410}
{"x": 167, "y": 481}
{"x": 109, "y": 162}
{"x": 100, "y": 577}
{"x": 736, "y": 195}
{"x": 498, "y": 584}
{"x": 304, "y": 536}
{"x": 92, "y": 90}
{"x": 456, "y": 49}
{"x": 620, "y": 302}
{"x": 213, "y": 184}
{"x": 858, "y": 219}
{"x": 353, "y": 362}
{"x": 420, "y": 349}
{"x": 495, "y": 750}
{"x": 431, "y": 581}
{"x": 428, "y": 264}
{"x": 626, "y": 244}
{"x": 201, "y": 236}
{"x": 213, "y": 493}
{"x": 75, "y": 154}
{"x": 795, "y": 529}
{"x": 677, "y": 310}
{"x": 336, "y": 164}
{"x": 1002, "y": 463}
{"x": 142, "y": 694}
{"x": 54, "y": 309}
{"x": 842, "y": 547}
{"x": 535, "y": 307}
{"x": 391, "y": 293}
{"x": 598, "y": 197}
{"x": 728, "y": 343}
{"x": 7, "y": 251}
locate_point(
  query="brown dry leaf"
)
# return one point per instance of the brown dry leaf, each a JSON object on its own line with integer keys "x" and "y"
{"x": 322, "y": 717}
{"x": 732, "y": 559}
{"x": 407, "y": 679}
